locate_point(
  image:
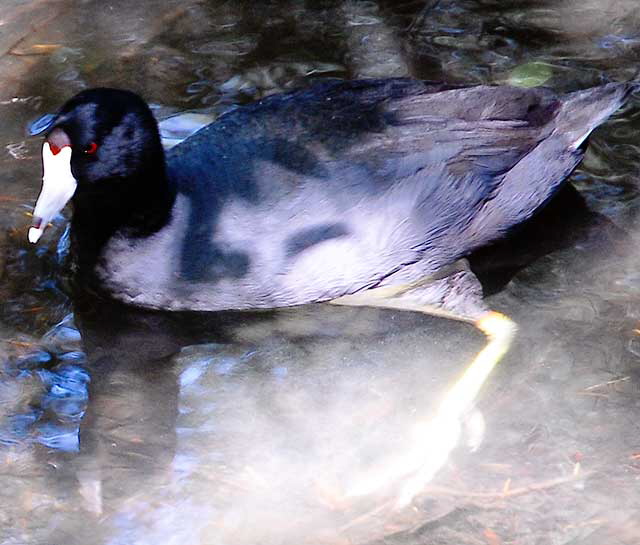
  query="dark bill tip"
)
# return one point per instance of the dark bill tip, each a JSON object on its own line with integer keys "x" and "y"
{"x": 41, "y": 124}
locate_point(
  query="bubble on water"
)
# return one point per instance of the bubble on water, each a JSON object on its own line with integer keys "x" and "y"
{"x": 59, "y": 438}
{"x": 63, "y": 335}
{"x": 192, "y": 373}
{"x": 76, "y": 357}
{"x": 34, "y": 359}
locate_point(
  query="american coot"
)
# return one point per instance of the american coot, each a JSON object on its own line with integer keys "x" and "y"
{"x": 364, "y": 192}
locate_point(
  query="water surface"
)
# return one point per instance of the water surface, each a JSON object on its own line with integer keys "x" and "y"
{"x": 120, "y": 426}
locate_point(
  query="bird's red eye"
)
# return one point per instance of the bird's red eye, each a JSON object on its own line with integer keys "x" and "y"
{"x": 91, "y": 148}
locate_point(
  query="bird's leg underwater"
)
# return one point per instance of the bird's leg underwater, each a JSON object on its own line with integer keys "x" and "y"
{"x": 435, "y": 438}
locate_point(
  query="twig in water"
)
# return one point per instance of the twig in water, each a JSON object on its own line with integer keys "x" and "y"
{"x": 508, "y": 492}
{"x": 608, "y": 383}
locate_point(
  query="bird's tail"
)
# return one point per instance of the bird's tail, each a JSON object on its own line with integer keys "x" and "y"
{"x": 583, "y": 111}
{"x": 539, "y": 174}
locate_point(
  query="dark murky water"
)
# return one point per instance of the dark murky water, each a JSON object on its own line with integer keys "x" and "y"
{"x": 239, "y": 428}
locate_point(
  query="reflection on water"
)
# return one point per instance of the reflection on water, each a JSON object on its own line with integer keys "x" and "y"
{"x": 245, "y": 428}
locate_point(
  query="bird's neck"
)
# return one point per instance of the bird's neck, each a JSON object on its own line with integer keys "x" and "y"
{"x": 136, "y": 207}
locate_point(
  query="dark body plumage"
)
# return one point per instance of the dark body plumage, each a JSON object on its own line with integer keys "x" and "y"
{"x": 314, "y": 194}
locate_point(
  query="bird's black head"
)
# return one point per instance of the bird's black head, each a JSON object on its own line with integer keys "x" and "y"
{"x": 103, "y": 150}
{"x": 111, "y": 132}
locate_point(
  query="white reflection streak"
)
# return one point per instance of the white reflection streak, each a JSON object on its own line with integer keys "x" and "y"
{"x": 435, "y": 439}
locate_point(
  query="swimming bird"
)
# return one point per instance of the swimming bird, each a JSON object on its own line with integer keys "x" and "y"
{"x": 368, "y": 192}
